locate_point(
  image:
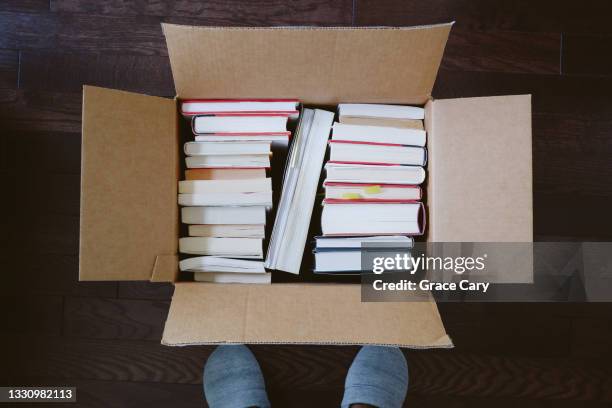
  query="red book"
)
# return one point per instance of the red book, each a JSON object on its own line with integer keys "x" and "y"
{"x": 342, "y": 218}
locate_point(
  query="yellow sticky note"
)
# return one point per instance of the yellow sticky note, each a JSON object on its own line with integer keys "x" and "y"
{"x": 372, "y": 190}
{"x": 351, "y": 196}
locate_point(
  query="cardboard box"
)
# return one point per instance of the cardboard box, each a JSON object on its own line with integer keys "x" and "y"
{"x": 479, "y": 175}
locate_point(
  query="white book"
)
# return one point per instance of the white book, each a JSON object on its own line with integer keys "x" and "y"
{"x": 350, "y": 261}
{"x": 230, "y": 247}
{"x": 210, "y": 148}
{"x": 224, "y": 215}
{"x": 372, "y": 219}
{"x": 238, "y": 123}
{"x": 379, "y": 134}
{"x": 224, "y": 277}
{"x": 226, "y": 199}
{"x": 389, "y": 241}
{"x": 225, "y": 186}
{"x": 360, "y": 152}
{"x": 369, "y": 173}
{"x": 299, "y": 190}
{"x": 218, "y": 264}
{"x": 370, "y": 110}
{"x": 280, "y": 138}
{"x": 204, "y": 106}
{"x": 371, "y": 191}
{"x": 221, "y": 161}
{"x": 227, "y": 230}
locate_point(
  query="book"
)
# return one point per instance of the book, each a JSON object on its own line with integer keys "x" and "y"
{"x": 219, "y": 264}
{"x": 398, "y": 123}
{"x": 388, "y": 241}
{"x": 207, "y": 106}
{"x": 300, "y": 183}
{"x": 227, "y": 230}
{"x": 356, "y": 173}
{"x": 225, "y": 192}
{"x": 225, "y": 277}
{"x": 281, "y": 138}
{"x": 372, "y": 219}
{"x": 371, "y": 191}
{"x": 229, "y": 161}
{"x": 226, "y": 247}
{"x": 226, "y": 148}
{"x": 370, "y": 110}
{"x": 224, "y": 215}
{"x": 227, "y": 199}
{"x": 225, "y": 174}
{"x": 348, "y": 261}
{"x": 379, "y": 134}
{"x": 236, "y": 123}
{"x": 225, "y": 186}
{"x": 375, "y": 153}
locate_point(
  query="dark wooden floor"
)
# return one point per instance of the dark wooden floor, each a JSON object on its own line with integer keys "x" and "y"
{"x": 104, "y": 337}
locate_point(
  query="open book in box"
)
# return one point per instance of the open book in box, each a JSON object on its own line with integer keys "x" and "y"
{"x": 478, "y": 175}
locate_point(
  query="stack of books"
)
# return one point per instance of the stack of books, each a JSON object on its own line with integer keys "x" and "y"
{"x": 372, "y": 185}
{"x": 226, "y": 193}
{"x": 300, "y": 183}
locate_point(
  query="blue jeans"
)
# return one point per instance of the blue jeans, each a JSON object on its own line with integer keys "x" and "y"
{"x": 378, "y": 377}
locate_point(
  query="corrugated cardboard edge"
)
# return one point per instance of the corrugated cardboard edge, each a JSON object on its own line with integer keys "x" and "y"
{"x": 202, "y": 313}
{"x": 404, "y": 61}
{"x": 165, "y": 268}
{"x": 443, "y": 343}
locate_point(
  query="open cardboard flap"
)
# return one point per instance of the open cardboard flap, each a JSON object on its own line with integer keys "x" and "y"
{"x": 129, "y": 215}
{"x": 479, "y": 171}
{"x": 316, "y": 65}
{"x": 480, "y": 178}
{"x": 202, "y": 313}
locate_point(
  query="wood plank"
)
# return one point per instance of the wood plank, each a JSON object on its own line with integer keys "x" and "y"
{"x": 102, "y": 394}
{"x": 591, "y": 337}
{"x": 82, "y": 32}
{"x": 587, "y": 54}
{"x": 45, "y": 234}
{"x": 9, "y": 68}
{"x": 261, "y": 12}
{"x": 501, "y": 51}
{"x": 114, "y": 318}
{"x": 449, "y": 373}
{"x": 574, "y": 173}
{"x": 571, "y": 133}
{"x": 36, "y": 153}
{"x": 572, "y": 216}
{"x": 132, "y": 34}
{"x": 50, "y": 275}
{"x": 31, "y": 111}
{"x": 145, "y": 290}
{"x": 60, "y": 192}
{"x": 539, "y": 16}
{"x": 59, "y": 72}
{"x": 98, "y": 394}
{"x": 434, "y": 372}
{"x": 434, "y": 401}
{"x": 497, "y": 329}
{"x": 589, "y": 98}
{"x": 24, "y": 5}
{"x": 31, "y": 315}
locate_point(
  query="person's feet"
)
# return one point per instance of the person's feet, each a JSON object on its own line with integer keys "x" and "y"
{"x": 233, "y": 379}
{"x": 377, "y": 377}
